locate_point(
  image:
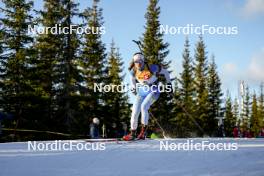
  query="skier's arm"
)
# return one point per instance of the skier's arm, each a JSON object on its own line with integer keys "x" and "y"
{"x": 133, "y": 82}
{"x": 166, "y": 74}
{"x": 168, "y": 80}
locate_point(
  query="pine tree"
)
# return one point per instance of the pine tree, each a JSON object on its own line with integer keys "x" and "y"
{"x": 117, "y": 102}
{"x": 187, "y": 88}
{"x": 201, "y": 91}
{"x": 16, "y": 85}
{"x": 255, "y": 120}
{"x": 93, "y": 60}
{"x": 214, "y": 90}
{"x": 229, "y": 118}
{"x": 155, "y": 50}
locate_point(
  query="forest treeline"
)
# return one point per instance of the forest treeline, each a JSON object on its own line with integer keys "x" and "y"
{"x": 46, "y": 80}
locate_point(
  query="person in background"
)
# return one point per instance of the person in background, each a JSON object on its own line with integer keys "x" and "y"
{"x": 124, "y": 128}
{"x": 247, "y": 133}
{"x": 94, "y": 128}
{"x": 235, "y": 132}
{"x": 221, "y": 131}
{"x": 262, "y": 132}
{"x": 113, "y": 131}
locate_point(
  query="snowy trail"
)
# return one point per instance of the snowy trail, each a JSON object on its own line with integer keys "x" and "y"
{"x": 141, "y": 158}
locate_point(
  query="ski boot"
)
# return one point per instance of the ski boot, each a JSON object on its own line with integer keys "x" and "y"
{"x": 131, "y": 136}
{"x": 143, "y": 133}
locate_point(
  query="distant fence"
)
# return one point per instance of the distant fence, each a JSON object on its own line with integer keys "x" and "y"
{"x": 28, "y": 134}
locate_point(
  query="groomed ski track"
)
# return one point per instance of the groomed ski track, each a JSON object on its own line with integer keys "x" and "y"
{"x": 139, "y": 158}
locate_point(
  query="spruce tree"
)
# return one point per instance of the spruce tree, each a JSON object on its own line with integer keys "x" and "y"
{"x": 201, "y": 91}
{"x": 155, "y": 50}
{"x": 236, "y": 111}
{"x": 93, "y": 60}
{"x": 2, "y": 58}
{"x": 246, "y": 110}
{"x": 229, "y": 118}
{"x": 66, "y": 70}
{"x": 177, "y": 115}
{"x": 187, "y": 89}
{"x": 1, "y": 40}
{"x": 16, "y": 85}
{"x": 214, "y": 90}
{"x": 255, "y": 122}
{"x": 116, "y": 102}
{"x": 261, "y": 104}
{"x": 48, "y": 47}
{"x": 2, "y": 64}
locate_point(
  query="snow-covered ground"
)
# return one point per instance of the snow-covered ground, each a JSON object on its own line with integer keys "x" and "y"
{"x": 140, "y": 158}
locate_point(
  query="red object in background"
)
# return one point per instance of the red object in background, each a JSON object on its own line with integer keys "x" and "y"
{"x": 235, "y": 132}
{"x": 262, "y": 132}
{"x": 248, "y": 134}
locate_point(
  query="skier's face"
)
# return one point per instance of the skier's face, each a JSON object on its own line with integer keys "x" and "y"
{"x": 138, "y": 64}
{"x": 138, "y": 61}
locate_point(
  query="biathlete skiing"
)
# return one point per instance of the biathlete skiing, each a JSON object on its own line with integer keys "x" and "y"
{"x": 146, "y": 86}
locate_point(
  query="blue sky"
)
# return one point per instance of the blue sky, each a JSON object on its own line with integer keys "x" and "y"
{"x": 238, "y": 57}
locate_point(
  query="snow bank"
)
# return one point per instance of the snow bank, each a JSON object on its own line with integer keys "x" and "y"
{"x": 139, "y": 158}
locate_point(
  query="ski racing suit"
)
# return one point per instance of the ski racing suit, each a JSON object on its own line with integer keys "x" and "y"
{"x": 145, "y": 83}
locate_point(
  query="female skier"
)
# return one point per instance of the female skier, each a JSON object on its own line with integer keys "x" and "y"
{"x": 146, "y": 87}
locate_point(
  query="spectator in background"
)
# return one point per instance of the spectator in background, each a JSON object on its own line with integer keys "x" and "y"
{"x": 94, "y": 128}
{"x": 262, "y": 132}
{"x": 124, "y": 128}
{"x": 239, "y": 132}
{"x": 221, "y": 131}
{"x": 113, "y": 131}
{"x": 236, "y": 132}
{"x": 247, "y": 133}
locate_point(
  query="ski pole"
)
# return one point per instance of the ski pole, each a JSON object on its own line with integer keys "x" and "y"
{"x": 155, "y": 119}
{"x": 139, "y": 45}
{"x": 189, "y": 115}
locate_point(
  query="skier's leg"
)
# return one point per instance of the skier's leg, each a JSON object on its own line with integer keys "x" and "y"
{"x": 135, "y": 112}
{"x": 147, "y": 102}
{"x": 134, "y": 119}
